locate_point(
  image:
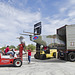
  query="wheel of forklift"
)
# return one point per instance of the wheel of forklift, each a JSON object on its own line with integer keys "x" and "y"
{"x": 17, "y": 63}
{"x": 71, "y": 56}
{"x": 54, "y": 54}
{"x": 37, "y": 56}
{"x": 42, "y": 56}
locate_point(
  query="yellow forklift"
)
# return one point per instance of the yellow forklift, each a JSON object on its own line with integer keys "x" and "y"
{"x": 51, "y": 53}
{"x": 44, "y": 40}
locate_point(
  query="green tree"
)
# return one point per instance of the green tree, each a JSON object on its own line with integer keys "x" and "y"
{"x": 31, "y": 46}
{"x": 3, "y": 48}
{"x": 17, "y": 48}
{"x": 11, "y": 46}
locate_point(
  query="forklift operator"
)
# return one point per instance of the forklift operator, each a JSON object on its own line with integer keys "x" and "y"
{"x": 44, "y": 48}
{"x": 9, "y": 51}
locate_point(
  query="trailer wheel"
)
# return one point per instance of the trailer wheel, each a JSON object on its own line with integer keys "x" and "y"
{"x": 42, "y": 56}
{"x": 71, "y": 56}
{"x": 17, "y": 63}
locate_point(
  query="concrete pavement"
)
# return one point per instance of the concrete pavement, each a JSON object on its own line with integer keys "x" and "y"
{"x": 41, "y": 67}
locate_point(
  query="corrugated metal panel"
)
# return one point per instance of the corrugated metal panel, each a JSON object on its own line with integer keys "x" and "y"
{"x": 70, "y": 35}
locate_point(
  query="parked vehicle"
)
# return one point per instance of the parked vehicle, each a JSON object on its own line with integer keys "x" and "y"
{"x": 15, "y": 60}
{"x": 67, "y": 35}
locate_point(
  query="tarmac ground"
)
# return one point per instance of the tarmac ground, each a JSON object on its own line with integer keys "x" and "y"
{"x": 40, "y": 67}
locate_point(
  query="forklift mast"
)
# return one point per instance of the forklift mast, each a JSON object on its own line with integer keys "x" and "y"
{"x": 37, "y": 28}
{"x": 37, "y": 31}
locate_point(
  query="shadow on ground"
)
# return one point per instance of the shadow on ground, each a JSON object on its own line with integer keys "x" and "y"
{"x": 39, "y": 61}
{"x": 47, "y": 60}
{"x": 6, "y": 66}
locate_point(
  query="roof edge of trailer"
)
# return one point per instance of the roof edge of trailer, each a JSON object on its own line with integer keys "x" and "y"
{"x": 65, "y": 26}
{"x": 62, "y": 27}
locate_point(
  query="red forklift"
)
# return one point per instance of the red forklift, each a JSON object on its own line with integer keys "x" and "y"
{"x": 16, "y": 60}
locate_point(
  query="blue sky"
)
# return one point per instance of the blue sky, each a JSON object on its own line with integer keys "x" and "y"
{"x": 19, "y": 15}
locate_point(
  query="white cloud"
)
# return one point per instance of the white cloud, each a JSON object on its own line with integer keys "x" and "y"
{"x": 72, "y": 2}
{"x": 68, "y": 6}
{"x": 63, "y": 9}
{"x": 71, "y": 14}
{"x": 13, "y": 22}
{"x": 65, "y": 16}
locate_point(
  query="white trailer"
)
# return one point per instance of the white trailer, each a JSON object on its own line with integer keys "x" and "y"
{"x": 67, "y": 35}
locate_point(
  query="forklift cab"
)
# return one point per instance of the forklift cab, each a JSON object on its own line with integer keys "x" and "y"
{"x": 49, "y": 53}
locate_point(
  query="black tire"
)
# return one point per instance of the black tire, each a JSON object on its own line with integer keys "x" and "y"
{"x": 17, "y": 63}
{"x": 42, "y": 56}
{"x": 58, "y": 55}
{"x": 54, "y": 54}
{"x": 61, "y": 58}
{"x": 35, "y": 56}
{"x": 66, "y": 57}
{"x": 71, "y": 57}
